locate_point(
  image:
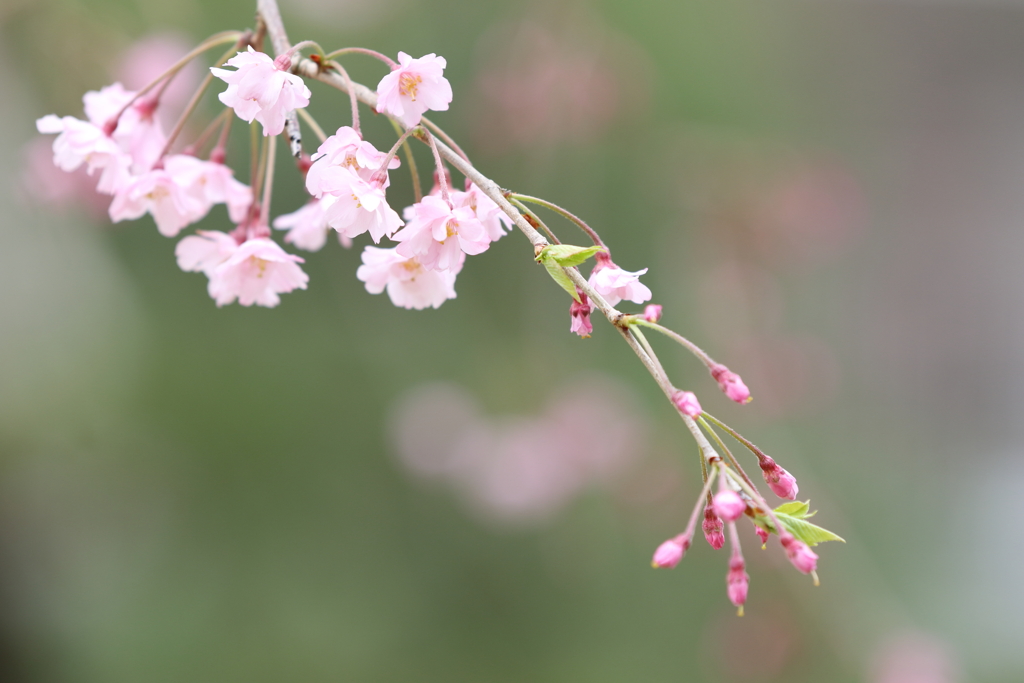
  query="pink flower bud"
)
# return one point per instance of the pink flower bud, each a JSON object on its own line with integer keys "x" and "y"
{"x": 686, "y": 402}
{"x": 778, "y": 479}
{"x": 713, "y": 528}
{"x": 802, "y": 557}
{"x": 580, "y": 312}
{"x": 652, "y": 313}
{"x": 730, "y": 383}
{"x": 762, "y": 534}
{"x": 737, "y": 581}
{"x": 670, "y": 552}
{"x": 728, "y": 505}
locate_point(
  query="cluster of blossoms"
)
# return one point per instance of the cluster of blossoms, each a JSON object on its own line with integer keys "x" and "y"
{"x": 347, "y": 180}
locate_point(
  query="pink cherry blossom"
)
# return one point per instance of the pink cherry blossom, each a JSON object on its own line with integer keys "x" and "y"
{"x": 357, "y": 206}
{"x": 262, "y": 89}
{"x": 413, "y": 87}
{"x": 307, "y": 228}
{"x": 669, "y": 553}
{"x": 686, "y": 402}
{"x": 495, "y": 221}
{"x": 730, "y": 383}
{"x": 439, "y": 235}
{"x": 778, "y": 479}
{"x": 580, "y": 312}
{"x": 256, "y": 273}
{"x": 157, "y": 193}
{"x": 712, "y": 527}
{"x": 210, "y": 183}
{"x": 802, "y": 557}
{"x": 737, "y": 581}
{"x": 728, "y": 505}
{"x": 616, "y": 284}
{"x": 408, "y": 283}
{"x": 345, "y": 150}
{"x": 79, "y": 142}
{"x": 204, "y": 251}
{"x": 652, "y": 313}
{"x": 137, "y": 132}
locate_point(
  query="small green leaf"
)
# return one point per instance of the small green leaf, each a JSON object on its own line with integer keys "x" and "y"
{"x": 795, "y": 509}
{"x": 811, "y": 534}
{"x": 567, "y": 255}
{"x": 558, "y": 275}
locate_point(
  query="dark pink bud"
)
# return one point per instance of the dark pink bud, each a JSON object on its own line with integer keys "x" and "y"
{"x": 687, "y": 403}
{"x": 652, "y": 313}
{"x": 737, "y": 582}
{"x": 779, "y": 480}
{"x": 580, "y": 312}
{"x": 713, "y": 528}
{"x": 218, "y": 155}
{"x": 762, "y": 534}
{"x": 730, "y": 383}
{"x": 802, "y": 557}
{"x": 728, "y": 505}
{"x": 670, "y": 552}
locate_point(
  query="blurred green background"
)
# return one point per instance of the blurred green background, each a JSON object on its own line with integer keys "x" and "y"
{"x": 829, "y": 196}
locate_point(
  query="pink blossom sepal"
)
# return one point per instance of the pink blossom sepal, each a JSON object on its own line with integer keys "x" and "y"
{"x": 802, "y": 557}
{"x": 669, "y": 553}
{"x": 261, "y": 89}
{"x": 253, "y": 272}
{"x": 413, "y": 87}
{"x": 728, "y": 505}
{"x": 762, "y": 534}
{"x": 652, "y": 313}
{"x": 737, "y": 582}
{"x": 408, "y": 283}
{"x": 781, "y": 482}
{"x": 580, "y": 313}
{"x": 616, "y": 284}
{"x": 730, "y": 383}
{"x": 686, "y": 402}
{"x": 712, "y": 527}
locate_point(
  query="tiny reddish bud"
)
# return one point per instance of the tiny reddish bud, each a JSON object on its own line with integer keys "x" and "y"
{"x": 687, "y": 403}
{"x": 802, "y": 557}
{"x": 737, "y": 582}
{"x": 728, "y": 505}
{"x": 778, "y": 479}
{"x": 283, "y": 62}
{"x": 652, "y": 313}
{"x": 218, "y": 155}
{"x": 762, "y": 534}
{"x": 730, "y": 383}
{"x": 713, "y": 528}
{"x": 670, "y": 552}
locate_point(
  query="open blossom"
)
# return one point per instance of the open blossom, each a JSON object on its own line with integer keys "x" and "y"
{"x": 616, "y": 284}
{"x": 210, "y": 183}
{"x": 262, "y": 89}
{"x": 495, "y": 221}
{"x": 413, "y": 87}
{"x": 408, "y": 283}
{"x": 79, "y": 142}
{"x": 439, "y": 235}
{"x": 669, "y": 553}
{"x": 345, "y": 150}
{"x": 359, "y": 206}
{"x": 307, "y": 228}
{"x": 253, "y": 272}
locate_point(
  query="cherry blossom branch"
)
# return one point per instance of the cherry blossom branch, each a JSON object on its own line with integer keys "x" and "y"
{"x": 534, "y": 219}
{"x": 732, "y": 459}
{"x": 444, "y": 136}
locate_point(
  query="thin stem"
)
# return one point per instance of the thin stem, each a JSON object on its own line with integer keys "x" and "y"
{"x": 410, "y": 160}
{"x": 761, "y": 455}
{"x": 647, "y": 347}
{"x": 535, "y": 218}
{"x": 725, "y": 449}
{"x": 383, "y": 168}
{"x": 254, "y": 160}
{"x": 190, "y": 107}
{"x": 689, "y": 345}
{"x": 221, "y": 38}
{"x": 441, "y": 175}
{"x": 222, "y": 141}
{"x": 217, "y": 122}
{"x": 268, "y": 183}
{"x": 354, "y": 101}
{"x": 261, "y": 169}
{"x": 392, "y": 64}
{"x": 313, "y": 125}
{"x": 691, "y": 525}
{"x": 759, "y": 499}
{"x": 565, "y": 214}
{"x": 704, "y": 473}
{"x": 444, "y": 136}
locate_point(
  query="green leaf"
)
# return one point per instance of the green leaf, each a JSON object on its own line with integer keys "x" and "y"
{"x": 558, "y": 275}
{"x": 811, "y": 534}
{"x": 567, "y": 255}
{"x": 795, "y": 509}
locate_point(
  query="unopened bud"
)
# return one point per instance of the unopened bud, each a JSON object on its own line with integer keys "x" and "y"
{"x": 762, "y": 534}
{"x": 652, "y": 313}
{"x": 283, "y": 62}
{"x": 737, "y": 582}
{"x": 730, "y": 383}
{"x": 802, "y": 557}
{"x": 670, "y": 552}
{"x": 778, "y": 479}
{"x": 728, "y": 505}
{"x": 687, "y": 403}
{"x": 713, "y": 528}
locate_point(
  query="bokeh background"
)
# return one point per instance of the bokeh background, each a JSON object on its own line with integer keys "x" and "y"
{"x": 829, "y": 195}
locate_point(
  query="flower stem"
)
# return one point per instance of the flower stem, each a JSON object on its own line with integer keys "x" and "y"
{"x": 442, "y": 177}
{"x": 533, "y": 217}
{"x": 313, "y": 125}
{"x": 565, "y": 214}
{"x": 268, "y": 182}
{"x": 725, "y": 449}
{"x": 383, "y": 168}
{"x": 351, "y": 96}
{"x": 392, "y": 64}
{"x": 444, "y": 136}
{"x": 410, "y": 160}
{"x": 689, "y": 345}
{"x": 739, "y": 437}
